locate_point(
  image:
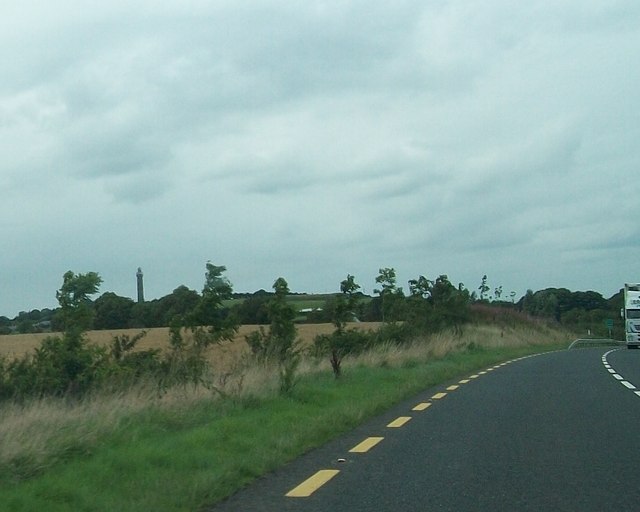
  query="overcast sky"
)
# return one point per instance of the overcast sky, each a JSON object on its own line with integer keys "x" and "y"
{"x": 314, "y": 139}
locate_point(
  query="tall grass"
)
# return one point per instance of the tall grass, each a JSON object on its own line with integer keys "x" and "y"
{"x": 64, "y": 453}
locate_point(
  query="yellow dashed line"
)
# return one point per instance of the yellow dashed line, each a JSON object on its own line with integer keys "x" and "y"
{"x": 312, "y": 484}
{"x": 366, "y": 445}
{"x": 399, "y": 422}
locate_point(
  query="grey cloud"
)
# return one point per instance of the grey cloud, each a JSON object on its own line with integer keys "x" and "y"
{"x": 443, "y": 136}
{"x": 138, "y": 189}
{"x": 290, "y": 179}
{"x": 309, "y": 53}
{"x": 104, "y": 155}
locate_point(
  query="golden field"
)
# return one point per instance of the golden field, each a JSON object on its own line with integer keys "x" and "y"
{"x": 16, "y": 345}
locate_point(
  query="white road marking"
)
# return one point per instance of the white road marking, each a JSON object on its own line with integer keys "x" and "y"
{"x": 615, "y": 375}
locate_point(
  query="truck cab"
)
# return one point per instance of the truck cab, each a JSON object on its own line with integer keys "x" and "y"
{"x": 631, "y": 313}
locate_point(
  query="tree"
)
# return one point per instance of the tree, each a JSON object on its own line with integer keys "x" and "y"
{"x": 113, "y": 311}
{"x": 280, "y": 343}
{"x": 67, "y": 364}
{"x": 209, "y": 323}
{"x": 253, "y": 309}
{"x": 438, "y": 304}
{"x": 25, "y": 323}
{"x": 451, "y": 303}
{"x": 212, "y": 321}
{"x": 342, "y": 341}
{"x": 5, "y": 325}
{"x": 178, "y": 306}
{"x": 391, "y": 296}
{"x": 217, "y": 288}
{"x": 76, "y": 311}
{"x": 282, "y": 328}
{"x": 420, "y": 304}
{"x": 483, "y": 288}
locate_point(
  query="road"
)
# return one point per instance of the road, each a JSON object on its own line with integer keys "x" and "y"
{"x": 557, "y": 431}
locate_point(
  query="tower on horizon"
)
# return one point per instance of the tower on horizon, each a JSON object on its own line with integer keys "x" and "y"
{"x": 140, "y": 285}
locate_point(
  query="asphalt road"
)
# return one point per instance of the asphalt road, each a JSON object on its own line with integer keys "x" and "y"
{"x": 557, "y": 431}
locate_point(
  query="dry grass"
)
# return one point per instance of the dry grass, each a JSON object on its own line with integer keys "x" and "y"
{"x": 31, "y": 432}
{"x": 439, "y": 345}
{"x": 41, "y": 432}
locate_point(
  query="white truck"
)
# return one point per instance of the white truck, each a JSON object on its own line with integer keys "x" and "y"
{"x": 631, "y": 314}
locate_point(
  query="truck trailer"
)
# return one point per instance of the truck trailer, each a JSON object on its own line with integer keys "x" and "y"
{"x": 631, "y": 314}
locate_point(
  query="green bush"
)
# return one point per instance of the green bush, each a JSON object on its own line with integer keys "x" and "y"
{"x": 340, "y": 344}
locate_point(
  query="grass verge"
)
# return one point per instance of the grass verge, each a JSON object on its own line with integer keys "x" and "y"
{"x": 194, "y": 452}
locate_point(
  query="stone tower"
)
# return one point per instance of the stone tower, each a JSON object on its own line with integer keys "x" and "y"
{"x": 140, "y": 285}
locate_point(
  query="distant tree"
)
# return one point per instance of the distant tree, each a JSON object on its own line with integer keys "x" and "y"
{"x": 588, "y": 301}
{"x": 146, "y": 314}
{"x": 450, "y": 303}
{"x": 436, "y": 305}
{"x": 5, "y": 325}
{"x": 391, "y": 296}
{"x": 178, "y": 306}
{"x": 346, "y": 303}
{"x": 483, "y": 288}
{"x": 556, "y": 303}
{"x": 420, "y": 304}
{"x": 113, "y": 311}
{"x": 76, "y": 310}
{"x": 217, "y": 288}
{"x": 253, "y": 310}
{"x": 527, "y": 303}
{"x": 24, "y": 324}
{"x": 211, "y": 319}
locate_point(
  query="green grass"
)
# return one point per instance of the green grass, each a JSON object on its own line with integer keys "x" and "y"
{"x": 185, "y": 457}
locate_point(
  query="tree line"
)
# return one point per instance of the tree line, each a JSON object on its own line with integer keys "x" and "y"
{"x": 68, "y": 365}
{"x": 585, "y": 311}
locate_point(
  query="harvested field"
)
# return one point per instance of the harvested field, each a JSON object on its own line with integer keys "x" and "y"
{"x": 15, "y": 345}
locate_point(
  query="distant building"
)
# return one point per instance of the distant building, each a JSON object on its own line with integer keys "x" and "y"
{"x": 140, "y": 285}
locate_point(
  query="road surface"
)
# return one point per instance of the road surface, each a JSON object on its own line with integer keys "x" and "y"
{"x": 557, "y": 431}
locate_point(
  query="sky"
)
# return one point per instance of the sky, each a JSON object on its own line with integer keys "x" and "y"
{"x": 311, "y": 140}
